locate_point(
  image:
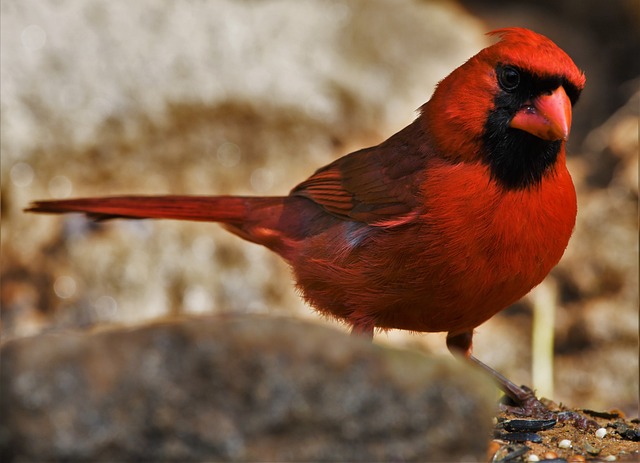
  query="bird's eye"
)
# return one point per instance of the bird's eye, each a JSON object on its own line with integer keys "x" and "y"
{"x": 508, "y": 78}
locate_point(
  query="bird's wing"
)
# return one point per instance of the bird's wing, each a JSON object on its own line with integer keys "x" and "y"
{"x": 378, "y": 186}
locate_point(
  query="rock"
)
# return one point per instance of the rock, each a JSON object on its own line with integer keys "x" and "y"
{"x": 238, "y": 388}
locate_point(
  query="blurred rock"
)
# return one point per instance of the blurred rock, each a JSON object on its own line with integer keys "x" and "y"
{"x": 612, "y": 148}
{"x": 240, "y": 388}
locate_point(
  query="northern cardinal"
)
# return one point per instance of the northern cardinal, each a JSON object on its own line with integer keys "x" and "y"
{"x": 438, "y": 228}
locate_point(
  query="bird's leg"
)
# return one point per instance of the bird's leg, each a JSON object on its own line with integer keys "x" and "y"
{"x": 526, "y": 402}
{"x": 363, "y": 329}
{"x": 525, "y": 399}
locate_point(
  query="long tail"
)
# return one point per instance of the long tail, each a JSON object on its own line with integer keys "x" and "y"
{"x": 228, "y": 209}
{"x": 277, "y": 222}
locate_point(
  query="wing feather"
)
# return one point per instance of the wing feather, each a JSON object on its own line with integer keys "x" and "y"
{"x": 378, "y": 186}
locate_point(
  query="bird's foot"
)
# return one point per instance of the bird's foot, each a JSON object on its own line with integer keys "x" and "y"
{"x": 521, "y": 401}
{"x": 579, "y": 420}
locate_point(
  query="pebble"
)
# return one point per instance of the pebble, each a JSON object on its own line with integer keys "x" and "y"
{"x": 591, "y": 449}
{"x": 564, "y": 444}
{"x": 601, "y": 433}
{"x": 533, "y": 457}
{"x": 550, "y": 455}
{"x": 610, "y": 458}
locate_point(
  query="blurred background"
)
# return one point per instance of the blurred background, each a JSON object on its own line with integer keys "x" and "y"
{"x": 250, "y": 97}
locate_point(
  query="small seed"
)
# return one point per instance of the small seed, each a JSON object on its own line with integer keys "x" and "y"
{"x": 494, "y": 446}
{"x": 519, "y": 437}
{"x": 564, "y": 444}
{"x": 528, "y": 425}
{"x": 576, "y": 459}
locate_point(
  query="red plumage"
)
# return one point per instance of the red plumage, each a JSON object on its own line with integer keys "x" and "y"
{"x": 437, "y": 228}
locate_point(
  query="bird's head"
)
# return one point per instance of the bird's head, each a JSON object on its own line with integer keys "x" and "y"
{"x": 509, "y": 106}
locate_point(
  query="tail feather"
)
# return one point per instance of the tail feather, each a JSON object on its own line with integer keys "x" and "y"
{"x": 277, "y": 222}
{"x": 227, "y": 209}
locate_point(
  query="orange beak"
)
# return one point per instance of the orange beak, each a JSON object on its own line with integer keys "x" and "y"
{"x": 546, "y": 116}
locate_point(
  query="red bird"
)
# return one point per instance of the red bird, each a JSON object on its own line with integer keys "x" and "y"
{"x": 438, "y": 228}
